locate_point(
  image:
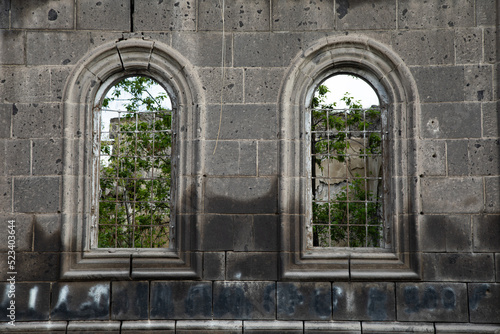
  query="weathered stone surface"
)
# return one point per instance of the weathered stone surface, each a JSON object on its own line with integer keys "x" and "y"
{"x": 130, "y": 300}
{"x": 258, "y": 266}
{"x": 36, "y": 194}
{"x": 203, "y": 48}
{"x": 80, "y": 301}
{"x": 435, "y": 14}
{"x": 214, "y": 266}
{"x": 47, "y": 233}
{"x": 491, "y": 114}
{"x": 5, "y": 120}
{"x": 452, "y": 195}
{"x": 484, "y": 302}
{"x": 13, "y": 43}
{"x": 466, "y": 329}
{"x": 435, "y": 47}
{"x": 478, "y": 83}
{"x": 273, "y": 327}
{"x": 165, "y": 15}
{"x": 490, "y": 45}
{"x": 328, "y": 327}
{"x": 23, "y": 232}
{"x": 47, "y": 157}
{"x": 445, "y": 120}
{"x": 492, "y": 202}
{"x": 32, "y": 301}
{"x": 363, "y": 301}
{"x": 38, "y": 266}
{"x": 35, "y": 120}
{"x": 262, "y": 84}
{"x": 469, "y": 46}
{"x": 21, "y": 84}
{"x": 446, "y": 302}
{"x": 239, "y": 15}
{"x": 484, "y": 157}
{"x": 18, "y": 156}
{"x": 217, "y": 233}
{"x": 231, "y": 84}
{"x": 4, "y": 14}
{"x": 458, "y": 267}
{"x": 244, "y": 300}
{"x": 103, "y": 15}
{"x": 486, "y": 233}
{"x": 267, "y": 155}
{"x": 433, "y": 157}
{"x": 181, "y": 300}
{"x": 302, "y": 15}
{"x": 5, "y": 194}
{"x": 56, "y": 48}
{"x": 397, "y": 327}
{"x": 457, "y": 157}
{"x": 304, "y": 301}
{"x": 51, "y": 14}
{"x": 214, "y": 326}
{"x": 445, "y": 233}
{"x": 231, "y": 158}
{"x": 440, "y": 83}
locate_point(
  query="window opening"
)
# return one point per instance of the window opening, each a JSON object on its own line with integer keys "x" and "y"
{"x": 346, "y": 157}
{"x": 135, "y": 165}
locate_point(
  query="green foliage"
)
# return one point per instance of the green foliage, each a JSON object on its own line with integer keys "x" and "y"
{"x": 135, "y": 171}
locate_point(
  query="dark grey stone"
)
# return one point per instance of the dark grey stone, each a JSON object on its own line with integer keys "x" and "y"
{"x": 492, "y": 187}
{"x": 302, "y": 15}
{"x": 433, "y": 157}
{"x": 103, "y": 15}
{"x": 458, "y": 267}
{"x": 5, "y": 120}
{"x": 491, "y": 117}
{"x": 18, "y": 156}
{"x": 268, "y": 157}
{"x": 457, "y": 157}
{"x": 245, "y": 300}
{"x": 489, "y": 45}
{"x": 33, "y": 14}
{"x": 36, "y": 194}
{"x": 37, "y": 120}
{"x": 181, "y": 300}
{"x": 5, "y": 194}
{"x": 478, "y": 83}
{"x": 47, "y": 233}
{"x": 214, "y": 266}
{"x": 217, "y": 233}
{"x": 445, "y": 233}
{"x": 32, "y": 301}
{"x": 484, "y": 156}
{"x": 440, "y": 84}
{"x": 266, "y": 230}
{"x": 452, "y": 195}
{"x": 247, "y": 266}
{"x": 359, "y": 14}
{"x": 486, "y": 233}
{"x": 304, "y": 301}
{"x": 239, "y": 15}
{"x": 231, "y": 158}
{"x": 13, "y": 45}
{"x": 38, "y": 266}
{"x": 70, "y": 46}
{"x": 4, "y": 14}
{"x": 130, "y": 300}
{"x": 47, "y": 157}
{"x": 435, "y": 14}
{"x": 23, "y": 227}
{"x": 451, "y": 120}
{"x": 485, "y": 16}
{"x": 164, "y": 15}
{"x": 444, "y": 302}
{"x": 80, "y": 301}
{"x": 484, "y": 302}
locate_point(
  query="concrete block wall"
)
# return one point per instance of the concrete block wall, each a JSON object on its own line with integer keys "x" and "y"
{"x": 450, "y": 48}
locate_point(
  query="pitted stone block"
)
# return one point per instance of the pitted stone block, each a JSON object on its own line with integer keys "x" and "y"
{"x": 485, "y": 157}
{"x": 435, "y": 14}
{"x": 447, "y": 120}
{"x": 18, "y": 156}
{"x": 13, "y": 43}
{"x": 36, "y": 194}
{"x": 23, "y": 232}
{"x": 103, "y": 15}
{"x": 36, "y": 120}
{"x": 47, "y": 157}
{"x": 203, "y": 48}
{"x": 440, "y": 83}
{"x": 165, "y": 15}
{"x": 56, "y": 48}
{"x": 33, "y": 14}
{"x": 239, "y": 15}
{"x": 365, "y": 15}
{"x": 262, "y": 84}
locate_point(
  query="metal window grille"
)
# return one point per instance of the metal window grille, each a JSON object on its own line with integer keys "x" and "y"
{"x": 346, "y": 177}
{"x": 134, "y": 178}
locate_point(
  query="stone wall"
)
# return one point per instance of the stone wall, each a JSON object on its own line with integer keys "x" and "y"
{"x": 241, "y": 265}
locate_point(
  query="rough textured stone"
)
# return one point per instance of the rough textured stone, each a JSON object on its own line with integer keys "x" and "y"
{"x": 13, "y": 43}
{"x": 457, "y": 157}
{"x": 80, "y": 301}
{"x": 239, "y": 15}
{"x": 397, "y": 327}
{"x": 469, "y": 46}
{"x": 181, "y": 300}
{"x": 452, "y": 195}
{"x": 47, "y": 157}
{"x": 18, "y": 154}
{"x": 478, "y": 83}
{"x": 273, "y": 327}
{"x": 458, "y": 267}
{"x": 5, "y": 194}
{"x": 433, "y": 157}
{"x": 38, "y": 266}
{"x": 204, "y": 49}
{"x": 24, "y": 85}
{"x": 34, "y": 14}
{"x": 214, "y": 326}
{"x": 36, "y": 194}
{"x": 436, "y": 14}
{"x": 440, "y": 83}
{"x": 217, "y": 233}
{"x": 484, "y": 157}
{"x": 302, "y": 15}
{"x": 130, "y": 300}
{"x": 445, "y": 233}
{"x": 4, "y": 14}
{"x": 103, "y": 15}
{"x": 466, "y": 329}
{"x": 47, "y": 233}
{"x": 36, "y": 120}
{"x": 244, "y": 300}
{"x": 492, "y": 187}
{"x": 486, "y": 233}
{"x": 232, "y": 90}
{"x": 23, "y": 232}
{"x": 435, "y": 47}
{"x": 165, "y": 15}
{"x": 267, "y": 157}
{"x": 258, "y": 266}
{"x": 491, "y": 114}
{"x": 446, "y": 302}
{"x": 231, "y": 158}
{"x": 490, "y": 43}
{"x": 328, "y": 327}
{"x": 484, "y": 302}
{"x": 214, "y": 266}
{"x": 5, "y": 120}
{"x": 305, "y": 301}
{"x": 485, "y": 16}
{"x": 262, "y": 84}
{"x": 56, "y": 48}
{"x": 444, "y": 120}
{"x": 32, "y": 301}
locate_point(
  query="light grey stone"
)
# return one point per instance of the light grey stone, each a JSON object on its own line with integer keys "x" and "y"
{"x": 490, "y": 43}
{"x": 36, "y": 194}
{"x": 434, "y": 47}
{"x": 165, "y": 15}
{"x": 103, "y": 15}
{"x": 203, "y": 48}
{"x": 13, "y": 47}
{"x": 485, "y": 16}
{"x": 491, "y": 119}
{"x": 25, "y": 84}
{"x": 302, "y": 15}
{"x": 452, "y": 195}
{"x": 47, "y": 157}
{"x": 231, "y": 84}
{"x": 451, "y": 120}
{"x": 239, "y": 15}
{"x": 469, "y": 45}
{"x": 35, "y": 120}
{"x": 492, "y": 190}
{"x": 18, "y": 156}
{"x": 433, "y": 157}
{"x": 440, "y": 83}
{"x": 435, "y": 14}
{"x": 262, "y": 84}
{"x": 50, "y": 14}
{"x": 56, "y": 48}
{"x": 360, "y": 14}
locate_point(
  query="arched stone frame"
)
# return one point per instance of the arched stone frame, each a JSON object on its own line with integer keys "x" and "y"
{"x": 83, "y": 94}
{"x": 391, "y": 79}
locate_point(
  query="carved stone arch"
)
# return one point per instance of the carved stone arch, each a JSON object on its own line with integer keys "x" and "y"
{"x": 386, "y": 72}
{"x": 87, "y": 85}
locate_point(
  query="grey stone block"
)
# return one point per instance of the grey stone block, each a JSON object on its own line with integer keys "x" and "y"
{"x": 47, "y": 157}
{"x": 458, "y": 267}
{"x": 273, "y": 327}
{"x": 5, "y": 194}
{"x": 36, "y": 194}
{"x": 253, "y": 121}
{"x": 492, "y": 187}
{"x": 262, "y": 84}
{"x": 244, "y": 235}
{"x": 241, "y": 195}
{"x": 329, "y": 327}
{"x": 80, "y": 301}
{"x": 457, "y": 154}
{"x": 130, "y": 300}
{"x": 18, "y": 156}
{"x": 267, "y": 157}
{"x": 230, "y": 158}
{"x": 164, "y": 15}
{"x": 397, "y": 327}
{"x": 451, "y": 120}
{"x": 435, "y": 14}
{"x": 478, "y": 83}
{"x": 359, "y": 14}
{"x": 435, "y": 47}
{"x": 486, "y": 233}
{"x": 485, "y": 16}
{"x": 484, "y": 157}
{"x": 232, "y": 90}
{"x": 247, "y": 266}
{"x": 4, "y": 14}
{"x": 433, "y": 157}
{"x": 13, "y": 47}
{"x": 35, "y": 120}
{"x": 32, "y": 301}
{"x": 432, "y": 302}
{"x": 363, "y": 301}
{"x": 38, "y": 266}
{"x": 484, "y": 302}
{"x": 214, "y": 326}
{"x": 302, "y": 15}
{"x": 217, "y": 233}
{"x": 491, "y": 119}
{"x": 47, "y": 233}
{"x": 266, "y": 230}
{"x": 204, "y": 49}
{"x": 51, "y": 14}
{"x": 304, "y": 301}
{"x": 245, "y": 300}
{"x": 56, "y": 48}
{"x": 490, "y": 42}
{"x": 23, "y": 232}
{"x": 440, "y": 83}
{"x": 5, "y": 120}
{"x": 181, "y": 300}
{"x": 239, "y": 15}
{"x": 214, "y": 266}
{"x": 103, "y": 15}
{"x": 452, "y": 195}
{"x": 466, "y": 329}
{"x": 469, "y": 46}
{"x": 21, "y": 84}
{"x": 445, "y": 233}
{"x": 58, "y": 77}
